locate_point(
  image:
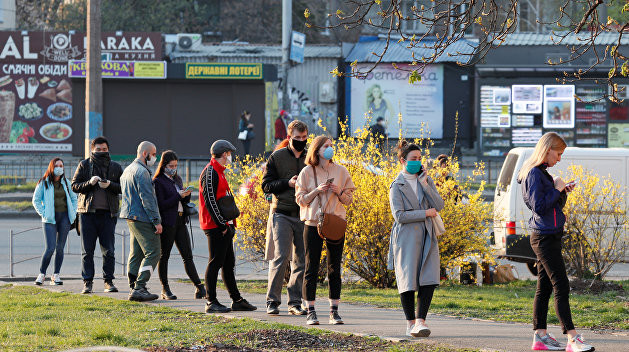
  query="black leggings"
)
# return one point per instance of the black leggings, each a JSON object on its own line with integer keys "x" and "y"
{"x": 551, "y": 277}
{"x": 221, "y": 257}
{"x": 177, "y": 235}
{"x": 424, "y": 298}
{"x": 313, "y": 245}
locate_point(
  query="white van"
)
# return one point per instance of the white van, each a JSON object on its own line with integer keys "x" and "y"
{"x": 509, "y": 237}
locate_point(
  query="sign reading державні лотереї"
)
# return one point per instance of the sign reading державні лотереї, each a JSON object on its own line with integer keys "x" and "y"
{"x": 205, "y": 70}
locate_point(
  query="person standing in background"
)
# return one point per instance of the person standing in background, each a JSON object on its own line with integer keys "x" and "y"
{"x": 245, "y": 131}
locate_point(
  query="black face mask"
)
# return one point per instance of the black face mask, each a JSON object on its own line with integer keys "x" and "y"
{"x": 101, "y": 155}
{"x": 101, "y": 159}
{"x": 298, "y": 145}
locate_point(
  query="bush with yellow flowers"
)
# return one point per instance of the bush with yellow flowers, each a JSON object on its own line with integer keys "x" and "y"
{"x": 466, "y": 215}
{"x": 245, "y": 179}
{"x": 596, "y": 224}
{"x": 369, "y": 219}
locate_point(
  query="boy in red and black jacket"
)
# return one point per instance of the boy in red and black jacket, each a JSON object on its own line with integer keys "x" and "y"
{"x": 219, "y": 230}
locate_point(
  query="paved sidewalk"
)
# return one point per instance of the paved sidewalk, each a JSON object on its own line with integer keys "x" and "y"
{"x": 366, "y": 320}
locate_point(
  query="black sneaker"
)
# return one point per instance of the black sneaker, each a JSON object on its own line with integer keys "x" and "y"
{"x": 87, "y": 287}
{"x": 216, "y": 307}
{"x": 335, "y": 318}
{"x": 109, "y": 286}
{"x": 297, "y": 310}
{"x": 243, "y": 306}
{"x": 312, "y": 319}
{"x": 142, "y": 295}
{"x": 272, "y": 308}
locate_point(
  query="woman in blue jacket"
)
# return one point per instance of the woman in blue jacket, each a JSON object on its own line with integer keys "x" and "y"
{"x": 55, "y": 202}
{"x": 546, "y": 196}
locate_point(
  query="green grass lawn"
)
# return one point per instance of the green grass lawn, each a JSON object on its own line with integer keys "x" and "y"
{"x": 34, "y": 319}
{"x": 19, "y": 206}
{"x": 27, "y": 187}
{"x": 508, "y": 302}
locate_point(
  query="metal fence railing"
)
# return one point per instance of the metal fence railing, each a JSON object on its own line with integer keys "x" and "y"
{"x": 13, "y": 261}
{"x": 120, "y": 262}
{"x": 31, "y": 170}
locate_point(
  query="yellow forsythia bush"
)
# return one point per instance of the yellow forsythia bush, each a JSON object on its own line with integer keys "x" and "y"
{"x": 466, "y": 215}
{"x": 245, "y": 179}
{"x": 369, "y": 218}
{"x": 596, "y": 224}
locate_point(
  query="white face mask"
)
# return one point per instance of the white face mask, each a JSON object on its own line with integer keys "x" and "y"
{"x": 229, "y": 159}
{"x": 150, "y": 161}
{"x": 58, "y": 171}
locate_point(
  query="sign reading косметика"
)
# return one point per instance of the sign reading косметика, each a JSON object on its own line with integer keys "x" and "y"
{"x": 223, "y": 71}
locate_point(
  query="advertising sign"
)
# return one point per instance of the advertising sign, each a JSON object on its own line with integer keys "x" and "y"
{"x": 559, "y": 106}
{"x": 527, "y": 98}
{"x": 493, "y": 110}
{"x": 387, "y": 93}
{"x": 122, "y": 69}
{"x": 618, "y": 136}
{"x": 35, "y": 91}
{"x": 207, "y": 70}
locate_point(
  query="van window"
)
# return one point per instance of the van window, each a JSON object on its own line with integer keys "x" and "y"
{"x": 507, "y": 171}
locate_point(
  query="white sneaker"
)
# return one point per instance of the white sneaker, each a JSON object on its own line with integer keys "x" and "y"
{"x": 420, "y": 330}
{"x": 55, "y": 280}
{"x": 577, "y": 344}
{"x": 408, "y": 330}
{"x": 40, "y": 279}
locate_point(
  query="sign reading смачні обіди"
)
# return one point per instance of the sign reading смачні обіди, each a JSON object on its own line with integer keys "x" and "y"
{"x": 223, "y": 70}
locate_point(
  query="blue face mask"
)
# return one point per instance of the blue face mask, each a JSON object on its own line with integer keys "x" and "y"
{"x": 328, "y": 153}
{"x": 413, "y": 166}
{"x": 58, "y": 171}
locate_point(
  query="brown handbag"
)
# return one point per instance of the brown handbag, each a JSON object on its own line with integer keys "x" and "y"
{"x": 330, "y": 227}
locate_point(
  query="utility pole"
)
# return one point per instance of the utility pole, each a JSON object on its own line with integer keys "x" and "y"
{"x": 287, "y": 27}
{"x": 93, "y": 80}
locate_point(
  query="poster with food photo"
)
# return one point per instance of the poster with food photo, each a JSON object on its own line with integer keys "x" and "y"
{"x": 35, "y": 113}
{"x": 35, "y": 91}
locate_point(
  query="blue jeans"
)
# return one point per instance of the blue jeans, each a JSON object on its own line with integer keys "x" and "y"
{"x": 55, "y": 236}
{"x": 100, "y": 225}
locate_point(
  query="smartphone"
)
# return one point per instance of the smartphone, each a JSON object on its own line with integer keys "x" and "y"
{"x": 329, "y": 181}
{"x": 189, "y": 188}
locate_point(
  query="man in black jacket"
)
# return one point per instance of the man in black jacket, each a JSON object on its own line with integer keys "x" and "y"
{"x": 279, "y": 179}
{"x": 97, "y": 182}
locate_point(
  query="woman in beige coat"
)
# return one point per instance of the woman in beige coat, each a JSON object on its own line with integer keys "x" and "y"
{"x": 413, "y": 250}
{"x": 322, "y": 184}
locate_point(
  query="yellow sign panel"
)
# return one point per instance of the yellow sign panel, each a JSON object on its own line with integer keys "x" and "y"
{"x": 150, "y": 69}
{"x": 223, "y": 71}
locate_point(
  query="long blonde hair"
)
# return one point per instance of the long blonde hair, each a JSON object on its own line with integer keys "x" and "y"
{"x": 550, "y": 140}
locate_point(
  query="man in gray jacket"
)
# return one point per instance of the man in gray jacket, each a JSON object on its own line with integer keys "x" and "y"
{"x": 139, "y": 207}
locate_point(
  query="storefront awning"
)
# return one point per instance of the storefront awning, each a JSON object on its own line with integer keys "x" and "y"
{"x": 367, "y": 51}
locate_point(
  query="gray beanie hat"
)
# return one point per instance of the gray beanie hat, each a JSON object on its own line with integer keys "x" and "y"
{"x": 221, "y": 146}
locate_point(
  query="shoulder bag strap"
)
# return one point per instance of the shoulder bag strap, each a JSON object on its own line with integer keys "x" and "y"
{"x": 314, "y": 170}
